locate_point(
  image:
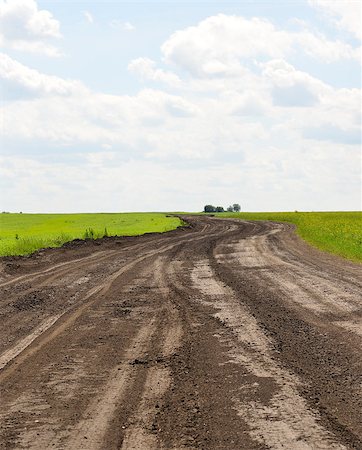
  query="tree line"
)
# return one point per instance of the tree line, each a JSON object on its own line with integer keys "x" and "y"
{"x": 232, "y": 208}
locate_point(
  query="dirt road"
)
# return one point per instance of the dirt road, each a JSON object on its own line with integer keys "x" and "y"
{"x": 223, "y": 335}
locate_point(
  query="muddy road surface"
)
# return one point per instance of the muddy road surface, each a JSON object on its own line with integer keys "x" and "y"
{"x": 223, "y": 335}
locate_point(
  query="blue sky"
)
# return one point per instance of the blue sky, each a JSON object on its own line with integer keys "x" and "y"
{"x": 142, "y": 106}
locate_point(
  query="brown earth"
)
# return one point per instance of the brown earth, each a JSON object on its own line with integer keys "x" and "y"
{"x": 224, "y": 335}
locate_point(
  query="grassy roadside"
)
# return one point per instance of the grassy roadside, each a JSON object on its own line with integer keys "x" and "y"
{"x": 23, "y": 234}
{"x": 335, "y": 232}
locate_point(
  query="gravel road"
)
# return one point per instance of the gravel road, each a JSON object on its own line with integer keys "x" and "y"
{"x": 226, "y": 334}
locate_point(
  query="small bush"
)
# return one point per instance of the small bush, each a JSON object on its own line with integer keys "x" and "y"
{"x": 89, "y": 233}
{"x": 62, "y": 239}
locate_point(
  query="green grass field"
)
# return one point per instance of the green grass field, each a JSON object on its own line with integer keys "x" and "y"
{"x": 334, "y": 232}
{"x": 23, "y": 234}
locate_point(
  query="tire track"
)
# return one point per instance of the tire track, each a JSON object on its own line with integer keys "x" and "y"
{"x": 285, "y": 421}
{"x": 95, "y": 422}
{"x": 54, "y": 326}
{"x": 140, "y": 434}
{"x": 34, "y": 276}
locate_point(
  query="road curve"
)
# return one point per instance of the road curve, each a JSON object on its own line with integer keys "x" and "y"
{"x": 226, "y": 334}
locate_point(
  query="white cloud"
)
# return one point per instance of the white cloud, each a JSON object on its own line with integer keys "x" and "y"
{"x": 29, "y": 81}
{"x": 333, "y": 134}
{"x": 249, "y": 103}
{"x": 220, "y": 45}
{"x": 345, "y": 14}
{"x": 65, "y": 111}
{"x": 229, "y": 120}
{"x": 128, "y": 26}
{"x": 146, "y": 68}
{"x": 235, "y": 119}
{"x": 291, "y": 87}
{"x": 24, "y": 27}
{"x": 272, "y": 178}
{"x": 318, "y": 46}
{"x": 88, "y": 17}
{"x": 216, "y": 44}
{"x": 125, "y": 26}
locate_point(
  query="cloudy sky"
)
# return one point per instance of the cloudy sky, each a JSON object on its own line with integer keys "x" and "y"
{"x": 168, "y": 105}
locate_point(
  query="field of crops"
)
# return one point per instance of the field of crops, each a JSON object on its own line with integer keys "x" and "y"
{"x": 22, "y": 234}
{"x": 335, "y": 232}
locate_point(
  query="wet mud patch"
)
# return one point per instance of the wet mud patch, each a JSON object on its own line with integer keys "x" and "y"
{"x": 119, "y": 311}
{"x": 34, "y": 300}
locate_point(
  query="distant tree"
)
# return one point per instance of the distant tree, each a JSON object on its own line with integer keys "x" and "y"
{"x": 236, "y": 207}
{"x": 209, "y": 208}
{"x": 219, "y": 209}
{"x": 230, "y": 209}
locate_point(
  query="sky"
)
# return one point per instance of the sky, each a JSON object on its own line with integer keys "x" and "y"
{"x": 170, "y": 105}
